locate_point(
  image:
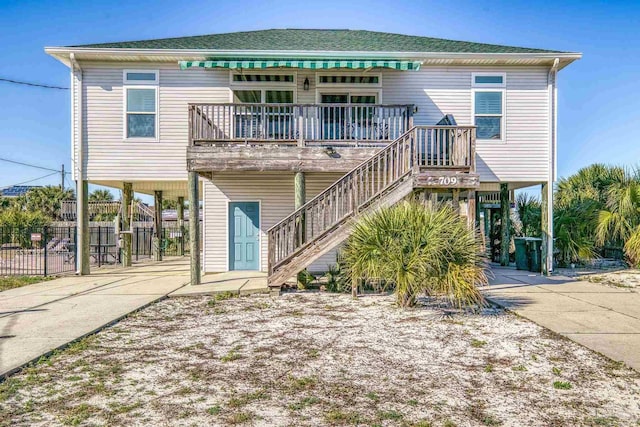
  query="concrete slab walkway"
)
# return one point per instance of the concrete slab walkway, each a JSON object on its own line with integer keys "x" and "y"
{"x": 603, "y": 318}
{"x": 238, "y": 282}
{"x": 39, "y": 318}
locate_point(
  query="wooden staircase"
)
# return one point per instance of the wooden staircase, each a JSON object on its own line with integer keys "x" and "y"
{"x": 382, "y": 180}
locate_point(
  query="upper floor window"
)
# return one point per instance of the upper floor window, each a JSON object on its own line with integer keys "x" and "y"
{"x": 141, "y": 104}
{"x": 263, "y": 78}
{"x": 488, "y": 105}
{"x": 349, "y": 80}
{"x": 346, "y": 78}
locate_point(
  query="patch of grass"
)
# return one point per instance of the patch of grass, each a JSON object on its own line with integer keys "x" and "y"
{"x": 12, "y": 282}
{"x": 478, "y": 343}
{"x": 214, "y": 410}
{"x": 562, "y": 385}
{"x": 313, "y": 353}
{"x": 488, "y": 368}
{"x": 239, "y": 418}
{"x": 371, "y": 395}
{"x": 519, "y": 368}
{"x": 412, "y": 402}
{"x": 9, "y": 388}
{"x": 478, "y": 413}
{"x": 231, "y": 355}
{"x": 222, "y": 296}
{"x": 80, "y": 345}
{"x": 449, "y": 423}
{"x": 338, "y": 416}
{"x": 422, "y": 423}
{"x": 391, "y": 415}
{"x": 76, "y": 415}
{"x": 302, "y": 383}
{"x": 604, "y": 421}
{"x": 303, "y": 403}
{"x": 246, "y": 398}
{"x": 119, "y": 408}
{"x": 556, "y": 371}
{"x": 183, "y": 391}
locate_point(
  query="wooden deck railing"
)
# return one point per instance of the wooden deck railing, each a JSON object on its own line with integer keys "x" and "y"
{"x": 298, "y": 124}
{"x": 421, "y": 147}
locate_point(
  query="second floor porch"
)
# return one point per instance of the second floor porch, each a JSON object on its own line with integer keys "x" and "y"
{"x": 326, "y": 137}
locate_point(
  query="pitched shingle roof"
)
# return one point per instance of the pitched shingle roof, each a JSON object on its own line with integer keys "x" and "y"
{"x": 317, "y": 40}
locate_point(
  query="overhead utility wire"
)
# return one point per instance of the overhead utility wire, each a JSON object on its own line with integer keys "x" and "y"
{"x": 18, "y": 82}
{"x": 31, "y": 180}
{"x": 32, "y": 166}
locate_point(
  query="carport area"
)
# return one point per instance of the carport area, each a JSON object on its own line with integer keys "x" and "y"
{"x": 39, "y": 318}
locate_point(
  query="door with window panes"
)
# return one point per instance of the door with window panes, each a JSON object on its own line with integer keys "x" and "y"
{"x": 344, "y": 121}
{"x": 268, "y": 114}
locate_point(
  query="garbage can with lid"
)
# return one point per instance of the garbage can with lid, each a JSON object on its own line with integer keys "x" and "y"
{"x": 522, "y": 256}
{"x": 535, "y": 254}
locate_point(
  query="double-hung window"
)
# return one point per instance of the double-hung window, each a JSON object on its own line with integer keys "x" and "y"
{"x": 488, "y": 105}
{"x": 140, "y": 104}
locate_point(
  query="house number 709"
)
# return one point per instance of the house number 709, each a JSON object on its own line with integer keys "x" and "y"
{"x": 447, "y": 180}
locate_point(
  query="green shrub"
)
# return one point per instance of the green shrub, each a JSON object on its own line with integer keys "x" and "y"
{"x": 416, "y": 249}
{"x": 337, "y": 280}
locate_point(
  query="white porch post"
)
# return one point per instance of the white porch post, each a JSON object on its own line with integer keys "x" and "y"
{"x": 547, "y": 227}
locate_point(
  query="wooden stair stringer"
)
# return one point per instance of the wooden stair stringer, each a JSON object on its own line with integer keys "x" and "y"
{"x": 339, "y": 233}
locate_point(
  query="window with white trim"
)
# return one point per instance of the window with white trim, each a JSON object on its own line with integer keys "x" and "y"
{"x": 354, "y": 79}
{"x": 488, "y": 105}
{"x": 140, "y": 104}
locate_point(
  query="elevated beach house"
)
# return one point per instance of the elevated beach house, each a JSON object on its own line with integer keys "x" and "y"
{"x": 284, "y": 137}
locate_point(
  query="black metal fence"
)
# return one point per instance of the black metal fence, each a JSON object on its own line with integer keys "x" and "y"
{"x": 38, "y": 251}
{"x": 45, "y": 251}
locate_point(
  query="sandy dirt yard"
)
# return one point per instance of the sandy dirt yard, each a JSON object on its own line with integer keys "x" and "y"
{"x": 314, "y": 359}
{"x": 629, "y": 278}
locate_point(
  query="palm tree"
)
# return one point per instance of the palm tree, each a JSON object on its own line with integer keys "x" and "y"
{"x": 578, "y": 200}
{"x": 100, "y": 196}
{"x": 619, "y": 222}
{"x": 530, "y": 215}
{"x": 416, "y": 249}
{"x": 47, "y": 200}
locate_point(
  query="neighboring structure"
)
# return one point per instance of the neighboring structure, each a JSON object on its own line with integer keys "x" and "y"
{"x": 331, "y": 123}
{"x": 17, "y": 190}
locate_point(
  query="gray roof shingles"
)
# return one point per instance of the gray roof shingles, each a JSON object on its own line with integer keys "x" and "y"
{"x": 317, "y": 40}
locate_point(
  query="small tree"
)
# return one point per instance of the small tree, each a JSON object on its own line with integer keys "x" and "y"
{"x": 16, "y": 225}
{"x": 417, "y": 249}
{"x": 47, "y": 200}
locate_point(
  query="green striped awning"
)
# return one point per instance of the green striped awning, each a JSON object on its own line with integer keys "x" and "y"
{"x": 323, "y": 64}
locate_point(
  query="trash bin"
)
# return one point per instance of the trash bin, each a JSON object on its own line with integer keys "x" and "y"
{"x": 522, "y": 256}
{"x": 535, "y": 254}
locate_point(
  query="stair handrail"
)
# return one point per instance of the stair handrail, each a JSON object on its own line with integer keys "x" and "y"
{"x": 344, "y": 177}
{"x": 421, "y": 146}
{"x": 399, "y": 169}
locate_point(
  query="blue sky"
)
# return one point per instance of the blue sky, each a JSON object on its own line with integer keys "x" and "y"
{"x": 599, "y": 96}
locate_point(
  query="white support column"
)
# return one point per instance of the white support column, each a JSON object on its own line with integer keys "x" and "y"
{"x": 547, "y": 227}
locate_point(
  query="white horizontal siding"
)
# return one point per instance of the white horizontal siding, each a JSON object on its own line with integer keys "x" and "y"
{"x": 274, "y": 191}
{"x": 110, "y": 156}
{"x": 436, "y": 91}
{"x": 524, "y": 156}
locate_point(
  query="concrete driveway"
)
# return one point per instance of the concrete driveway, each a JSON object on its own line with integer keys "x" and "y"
{"x": 39, "y": 318}
{"x": 603, "y": 318}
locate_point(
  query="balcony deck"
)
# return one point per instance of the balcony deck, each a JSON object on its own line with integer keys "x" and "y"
{"x": 317, "y": 138}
